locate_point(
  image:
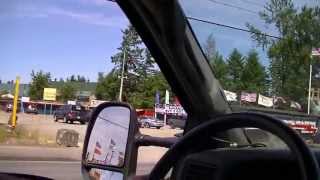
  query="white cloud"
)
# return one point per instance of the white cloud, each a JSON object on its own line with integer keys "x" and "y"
{"x": 96, "y": 17}
{"x": 99, "y": 19}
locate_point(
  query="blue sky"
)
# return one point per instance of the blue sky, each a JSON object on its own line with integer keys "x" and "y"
{"x": 68, "y": 37}
{"x": 61, "y": 37}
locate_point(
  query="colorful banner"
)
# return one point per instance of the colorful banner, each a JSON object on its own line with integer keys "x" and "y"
{"x": 49, "y": 94}
{"x": 248, "y": 97}
{"x": 265, "y": 101}
{"x": 170, "y": 109}
{"x": 231, "y": 96}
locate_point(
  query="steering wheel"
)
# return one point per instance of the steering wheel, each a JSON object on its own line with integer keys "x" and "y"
{"x": 306, "y": 159}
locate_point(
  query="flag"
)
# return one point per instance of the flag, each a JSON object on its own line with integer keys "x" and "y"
{"x": 265, "y": 101}
{"x": 157, "y": 98}
{"x": 315, "y": 52}
{"x": 295, "y": 105}
{"x": 231, "y": 96}
{"x": 248, "y": 97}
{"x": 97, "y": 149}
{"x": 167, "y": 97}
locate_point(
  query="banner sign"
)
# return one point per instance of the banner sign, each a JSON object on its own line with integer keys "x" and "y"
{"x": 71, "y": 102}
{"x": 49, "y": 94}
{"x": 231, "y": 96}
{"x": 170, "y": 109}
{"x": 265, "y": 101}
{"x": 248, "y": 97}
{"x": 25, "y": 99}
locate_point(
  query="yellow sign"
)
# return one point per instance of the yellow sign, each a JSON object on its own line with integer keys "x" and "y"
{"x": 49, "y": 94}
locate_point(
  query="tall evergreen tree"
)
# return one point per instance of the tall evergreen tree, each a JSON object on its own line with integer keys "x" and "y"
{"x": 235, "y": 63}
{"x": 254, "y": 76}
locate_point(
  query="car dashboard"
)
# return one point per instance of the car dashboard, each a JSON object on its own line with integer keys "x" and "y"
{"x": 236, "y": 164}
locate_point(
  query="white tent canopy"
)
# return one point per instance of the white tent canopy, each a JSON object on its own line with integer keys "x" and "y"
{"x": 10, "y": 96}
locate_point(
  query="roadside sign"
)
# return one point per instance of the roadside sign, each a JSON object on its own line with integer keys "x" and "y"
{"x": 25, "y": 99}
{"x": 71, "y": 102}
{"x": 49, "y": 94}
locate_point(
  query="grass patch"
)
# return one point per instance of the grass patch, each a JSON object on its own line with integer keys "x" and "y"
{"x": 3, "y": 134}
{"x": 22, "y": 136}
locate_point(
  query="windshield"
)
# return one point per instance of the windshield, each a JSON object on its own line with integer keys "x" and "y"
{"x": 266, "y": 55}
{"x": 59, "y": 61}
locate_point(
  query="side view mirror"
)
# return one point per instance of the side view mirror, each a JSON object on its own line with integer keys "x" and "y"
{"x": 110, "y": 151}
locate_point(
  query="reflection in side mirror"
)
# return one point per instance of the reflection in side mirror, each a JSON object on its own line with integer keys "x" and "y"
{"x": 109, "y": 135}
{"x": 109, "y": 147}
{"x": 105, "y": 174}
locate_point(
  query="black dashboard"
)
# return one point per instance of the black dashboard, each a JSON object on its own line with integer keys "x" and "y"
{"x": 238, "y": 164}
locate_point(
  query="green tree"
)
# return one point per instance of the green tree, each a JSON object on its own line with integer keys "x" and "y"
{"x": 235, "y": 64}
{"x": 67, "y": 92}
{"x": 216, "y": 60}
{"x": 107, "y": 86}
{"x": 254, "y": 75}
{"x": 145, "y": 94}
{"x": 39, "y": 80}
{"x": 72, "y": 78}
{"x": 220, "y": 70}
{"x": 290, "y": 54}
{"x": 209, "y": 47}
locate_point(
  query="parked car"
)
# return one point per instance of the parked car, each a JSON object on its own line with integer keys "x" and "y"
{"x": 176, "y": 123}
{"x": 9, "y": 107}
{"x": 31, "y": 110}
{"x": 71, "y": 113}
{"x": 150, "y": 122}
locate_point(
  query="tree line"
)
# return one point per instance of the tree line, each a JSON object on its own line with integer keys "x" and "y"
{"x": 237, "y": 72}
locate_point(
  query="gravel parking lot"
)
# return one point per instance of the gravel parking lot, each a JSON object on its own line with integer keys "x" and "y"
{"x": 45, "y": 126}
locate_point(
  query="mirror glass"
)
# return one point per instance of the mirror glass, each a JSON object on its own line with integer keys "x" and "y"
{"x": 98, "y": 174}
{"x": 109, "y": 135}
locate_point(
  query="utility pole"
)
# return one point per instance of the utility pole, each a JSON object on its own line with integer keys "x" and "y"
{"x": 122, "y": 75}
{"x": 309, "y": 93}
{"x": 315, "y": 52}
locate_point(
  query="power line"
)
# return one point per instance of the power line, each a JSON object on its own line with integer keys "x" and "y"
{"x": 235, "y": 7}
{"x": 253, "y": 3}
{"x": 227, "y": 26}
{"x": 231, "y": 27}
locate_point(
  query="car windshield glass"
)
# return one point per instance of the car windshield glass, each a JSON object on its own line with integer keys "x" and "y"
{"x": 266, "y": 55}
{"x": 60, "y": 60}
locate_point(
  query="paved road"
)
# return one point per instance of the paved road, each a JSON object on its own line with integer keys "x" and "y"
{"x": 54, "y": 169}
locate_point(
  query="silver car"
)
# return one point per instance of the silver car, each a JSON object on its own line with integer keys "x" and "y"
{"x": 149, "y": 122}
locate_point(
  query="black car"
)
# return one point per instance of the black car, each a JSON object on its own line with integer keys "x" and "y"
{"x": 71, "y": 113}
